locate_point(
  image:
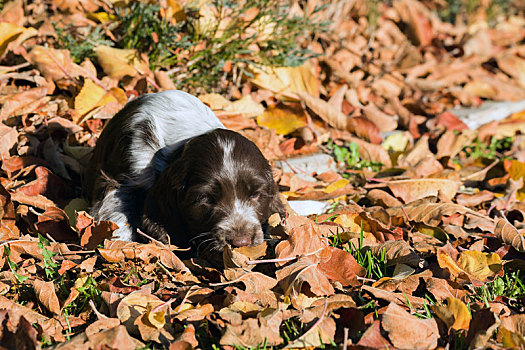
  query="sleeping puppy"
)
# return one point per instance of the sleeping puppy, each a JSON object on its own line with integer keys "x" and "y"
{"x": 166, "y": 165}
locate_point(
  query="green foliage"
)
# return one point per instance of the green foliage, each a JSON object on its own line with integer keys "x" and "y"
{"x": 241, "y": 34}
{"x": 510, "y": 285}
{"x": 232, "y": 41}
{"x": 12, "y": 266}
{"x": 80, "y": 45}
{"x": 478, "y": 149}
{"x": 469, "y": 8}
{"x": 141, "y": 27}
{"x": 88, "y": 291}
{"x": 375, "y": 266}
{"x": 350, "y": 156}
{"x": 50, "y": 267}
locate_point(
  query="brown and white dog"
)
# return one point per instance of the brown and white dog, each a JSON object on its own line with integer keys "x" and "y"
{"x": 166, "y": 165}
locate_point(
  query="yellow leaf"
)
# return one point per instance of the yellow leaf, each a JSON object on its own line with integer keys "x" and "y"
{"x": 155, "y": 318}
{"x": 175, "y": 10}
{"x": 461, "y": 314}
{"x": 215, "y": 101}
{"x": 397, "y": 142}
{"x": 283, "y": 120}
{"x": 88, "y": 97}
{"x": 81, "y": 280}
{"x": 8, "y": 33}
{"x": 287, "y": 80}
{"x": 102, "y": 17}
{"x": 479, "y": 264}
{"x": 118, "y": 63}
{"x": 336, "y": 185}
{"x": 517, "y": 169}
{"x": 347, "y": 220}
{"x": 246, "y": 107}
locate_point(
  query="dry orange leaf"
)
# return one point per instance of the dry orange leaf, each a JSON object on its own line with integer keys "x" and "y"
{"x": 45, "y": 292}
{"x": 52, "y": 63}
{"x": 506, "y": 232}
{"x": 413, "y": 189}
{"x": 406, "y": 331}
{"x": 325, "y": 110}
{"x": 8, "y": 138}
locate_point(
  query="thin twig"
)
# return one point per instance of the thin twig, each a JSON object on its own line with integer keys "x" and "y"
{"x": 319, "y": 320}
{"x": 153, "y": 239}
{"x": 345, "y": 339}
{"x": 283, "y": 259}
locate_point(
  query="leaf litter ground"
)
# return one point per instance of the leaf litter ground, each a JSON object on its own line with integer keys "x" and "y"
{"x": 412, "y": 233}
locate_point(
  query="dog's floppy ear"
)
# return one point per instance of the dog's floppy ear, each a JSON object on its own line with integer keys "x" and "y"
{"x": 161, "y": 215}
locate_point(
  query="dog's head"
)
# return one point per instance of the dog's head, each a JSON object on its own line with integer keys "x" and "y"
{"x": 219, "y": 190}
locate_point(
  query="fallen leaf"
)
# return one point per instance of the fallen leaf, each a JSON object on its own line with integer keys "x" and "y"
{"x": 118, "y": 63}
{"x": 287, "y": 80}
{"x": 8, "y": 138}
{"x": 455, "y": 314}
{"x": 414, "y": 189}
{"x": 283, "y": 119}
{"x": 506, "y": 232}
{"x": 409, "y": 332}
{"x": 473, "y": 266}
{"x": 45, "y": 292}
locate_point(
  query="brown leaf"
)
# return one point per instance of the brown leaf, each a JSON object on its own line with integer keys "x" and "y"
{"x": 398, "y": 298}
{"x": 397, "y": 252}
{"x": 303, "y": 275}
{"x": 254, "y": 331}
{"x": 8, "y": 138}
{"x": 325, "y": 111}
{"x": 409, "y": 332}
{"x": 116, "y": 251}
{"x": 482, "y": 327}
{"x": 55, "y": 222}
{"x": 46, "y": 184}
{"x": 45, "y": 292}
{"x": 506, "y": 232}
{"x": 341, "y": 267}
{"x": 54, "y": 64}
{"x": 94, "y": 234}
{"x": 383, "y": 121}
{"x": 432, "y": 214}
{"x": 365, "y": 128}
{"x": 304, "y": 239}
{"x": 22, "y": 102}
{"x": 322, "y": 333}
{"x": 372, "y": 337}
{"x": 414, "y": 189}
{"x": 455, "y": 314}
{"x": 17, "y": 332}
{"x": 113, "y": 338}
